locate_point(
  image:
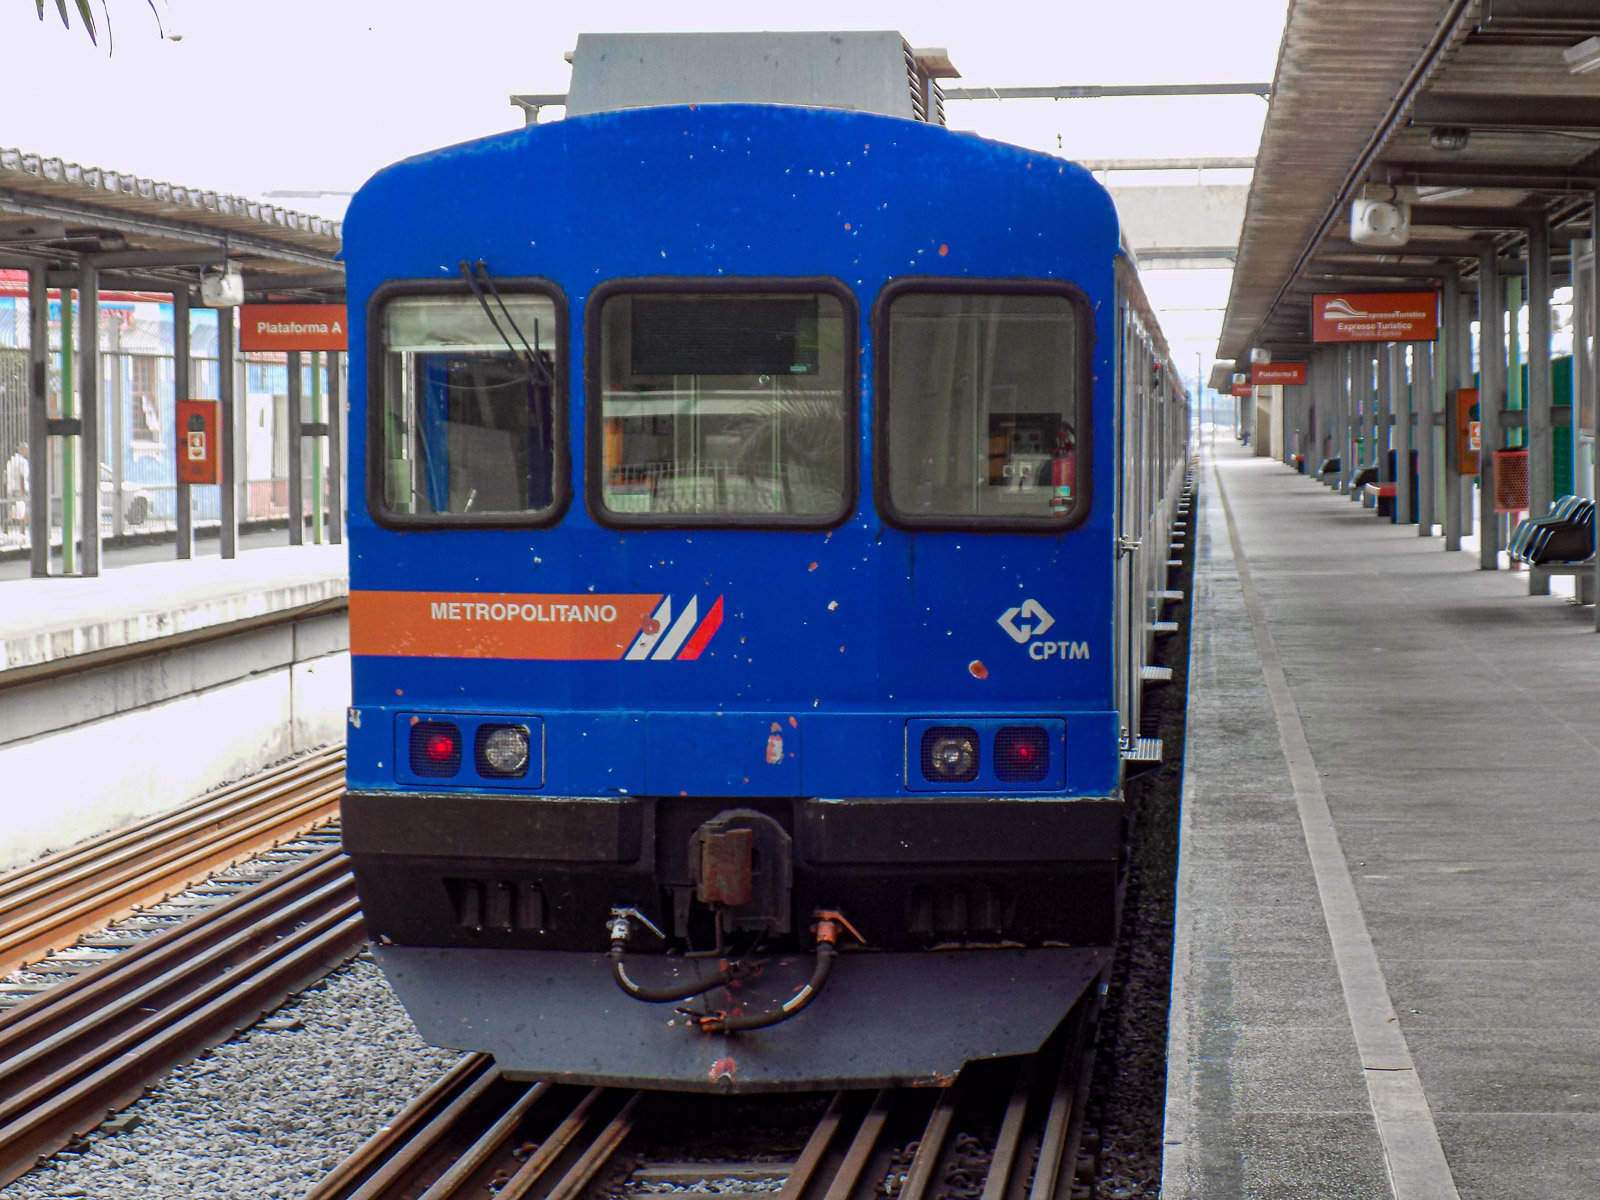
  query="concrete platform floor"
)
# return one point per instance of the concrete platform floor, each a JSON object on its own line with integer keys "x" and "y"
{"x": 42, "y": 620}
{"x": 1386, "y": 979}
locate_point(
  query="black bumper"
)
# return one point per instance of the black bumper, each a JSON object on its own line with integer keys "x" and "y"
{"x": 520, "y": 872}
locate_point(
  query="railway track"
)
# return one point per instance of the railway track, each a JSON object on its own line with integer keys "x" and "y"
{"x": 50, "y": 903}
{"x": 91, "y": 1045}
{"x": 1005, "y": 1130}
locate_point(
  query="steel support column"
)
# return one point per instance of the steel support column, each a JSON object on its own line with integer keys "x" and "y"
{"x": 183, "y": 504}
{"x": 89, "y": 375}
{"x": 116, "y": 433}
{"x": 297, "y": 495}
{"x": 1400, "y": 405}
{"x": 1369, "y": 386}
{"x": 1387, "y": 406}
{"x": 1360, "y": 402}
{"x": 1424, "y": 396}
{"x": 1349, "y": 402}
{"x": 1491, "y": 399}
{"x": 1594, "y": 333}
{"x": 335, "y": 448}
{"x": 1447, "y": 370}
{"x": 1541, "y": 442}
{"x": 1340, "y": 358}
{"x": 38, "y": 429}
{"x": 230, "y": 422}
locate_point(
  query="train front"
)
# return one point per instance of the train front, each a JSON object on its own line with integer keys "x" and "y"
{"x": 732, "y": 596}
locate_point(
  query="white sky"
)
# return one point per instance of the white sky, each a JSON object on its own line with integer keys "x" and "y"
{"x": 319, "y": 94}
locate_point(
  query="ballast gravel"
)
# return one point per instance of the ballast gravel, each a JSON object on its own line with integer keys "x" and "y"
{"x": 261, "y": 1117}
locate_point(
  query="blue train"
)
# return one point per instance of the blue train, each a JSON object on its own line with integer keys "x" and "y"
{"x": 765, "y": 519}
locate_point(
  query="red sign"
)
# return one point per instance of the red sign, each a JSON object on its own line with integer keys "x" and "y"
{"x": 1264, "y": 373}
{"x": 292, "y": 327}
{"x": 1241, "y": 389}
{"x": 199, "y": 441}
{"x": 1375, "y": 317}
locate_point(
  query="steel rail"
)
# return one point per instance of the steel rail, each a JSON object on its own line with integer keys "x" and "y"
{"x": 71, "y": 1055}
{"x": 474, "y": 1129}
{"x": 50, "y": 903}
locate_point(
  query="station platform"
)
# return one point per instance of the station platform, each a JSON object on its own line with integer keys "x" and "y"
{"x": 1386, "y": 972}
{"x": 126, "y": 694}
{"x": 46, "y": 620}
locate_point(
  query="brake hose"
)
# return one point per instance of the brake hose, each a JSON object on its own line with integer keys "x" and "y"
{"x": 620, "y": 927}
{"x": 828, "y": 925}
{"x": 678, "y": 991}
{"x": 723, "y": 1023}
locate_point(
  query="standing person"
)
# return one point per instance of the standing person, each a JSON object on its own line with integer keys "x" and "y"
{"x": 14, "y": 506}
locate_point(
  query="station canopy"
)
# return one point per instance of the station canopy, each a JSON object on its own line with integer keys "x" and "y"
{"x": 143, "y": 234}
{"x": 1483, "y": 115}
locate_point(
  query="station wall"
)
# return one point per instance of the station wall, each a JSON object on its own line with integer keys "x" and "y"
{"x": 89, "y": 751}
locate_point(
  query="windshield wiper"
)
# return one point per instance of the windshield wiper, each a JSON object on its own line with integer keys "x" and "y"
{"x": 536, "y": 369}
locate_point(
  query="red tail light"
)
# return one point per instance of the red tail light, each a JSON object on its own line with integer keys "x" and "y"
{"x": 1021, "y": 753}
{"x": 435, "y": 748}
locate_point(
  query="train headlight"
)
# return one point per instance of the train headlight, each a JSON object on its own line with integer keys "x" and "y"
{"x": 950, "y": 754}
{"x": 502, "y": 750}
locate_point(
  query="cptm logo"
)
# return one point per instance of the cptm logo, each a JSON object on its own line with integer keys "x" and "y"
{"x": 663, "y": 638}
{"x": 1028, "y": 622}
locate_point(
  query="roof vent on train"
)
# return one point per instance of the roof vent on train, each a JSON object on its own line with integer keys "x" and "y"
{"x": 874, "y": 72}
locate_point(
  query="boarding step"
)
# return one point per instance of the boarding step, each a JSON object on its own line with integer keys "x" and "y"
{"x": 1170, "y": 595}
{"x": 1143, "y": 750}
{"x": 1163, "y": 626}
{"x": 1174, "y": 562}
{"x": 1156, "y": 674}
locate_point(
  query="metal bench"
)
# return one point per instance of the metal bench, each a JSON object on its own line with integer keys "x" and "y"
{"x": 1381, "y": 497}
{"x": 1583, "y": 572}
{"x": 1559, "y": 543}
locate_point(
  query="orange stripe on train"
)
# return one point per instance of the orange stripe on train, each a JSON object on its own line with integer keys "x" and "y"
{"x": 572, "y": 627}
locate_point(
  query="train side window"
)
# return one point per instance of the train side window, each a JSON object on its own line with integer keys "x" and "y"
{"x": 469, "y": 423}
{"x": 983, "y": 405}
{"x": 721, "y": 404}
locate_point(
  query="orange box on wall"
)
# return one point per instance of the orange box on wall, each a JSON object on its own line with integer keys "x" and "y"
{"x": 199, "y": 441}
{"x": 1467, "y": 428}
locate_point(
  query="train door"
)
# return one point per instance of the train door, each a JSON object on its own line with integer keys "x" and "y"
{"x": 1129, "y": 626}
{"x": 1122, "y": 572}
{"x": 1139, "y": 467}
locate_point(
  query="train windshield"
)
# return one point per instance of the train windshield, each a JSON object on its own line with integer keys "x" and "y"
{"x": 468, "y": 412}
{"x": 982, "y": 404}
{"x": 723, "y": 407}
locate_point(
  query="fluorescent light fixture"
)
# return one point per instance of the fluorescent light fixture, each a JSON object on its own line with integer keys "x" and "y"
{"x": 1584, "y": 57}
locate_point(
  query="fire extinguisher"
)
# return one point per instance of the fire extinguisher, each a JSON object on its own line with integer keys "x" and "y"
{"x": 1063, "y": 475}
